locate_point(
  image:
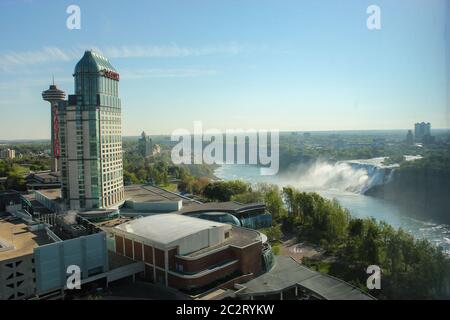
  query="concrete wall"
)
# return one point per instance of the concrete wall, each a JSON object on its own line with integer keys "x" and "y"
{"x": 250, "y": 258}
{"x": 51, "y": 261}
{"x": 202, "y": 239}
{"x": 48, "y": 203}
{"x": 179, "y": 282}
{"x": 17, "y": 278}
{"x": 197, "y": 265}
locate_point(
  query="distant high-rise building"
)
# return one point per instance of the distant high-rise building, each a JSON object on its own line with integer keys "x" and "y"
{"x": 428, "y": 139}
{"x": 156, "y": 149}
{"x": 8, "y": 154}
{"x": 145, "y": 145}
{"x": 91, "y": 137}
{"x": 409, "y": 138}
{"x": 420, "y": 130}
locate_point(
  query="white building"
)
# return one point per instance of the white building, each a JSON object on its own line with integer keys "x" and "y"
{"x": 8, "y": 154}
{"x": 167, "y": 231}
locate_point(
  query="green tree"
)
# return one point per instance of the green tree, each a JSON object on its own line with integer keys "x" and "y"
{"x": 224, "y": 190}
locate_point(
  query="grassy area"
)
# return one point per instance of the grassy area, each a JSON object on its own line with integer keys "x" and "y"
{"x": 172, "y": 187}
{"x": 22, "y": 170}
{"x": 320, "y": 266}
{"x": 276, "y": 249}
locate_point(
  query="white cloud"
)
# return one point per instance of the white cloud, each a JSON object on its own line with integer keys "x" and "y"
{"x": 9, "y": 61}
{"x": 167, "y": 73}
{"x": 24, "y": 83}
{"x": 172, "y": 50}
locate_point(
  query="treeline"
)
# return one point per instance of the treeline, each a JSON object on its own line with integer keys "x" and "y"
{"x": 436, "y": 161}
{"x": 14, "y": 175}
{"x": 29, "y": 157}
{"x": 138, "y": 170}
{"x": 422, "y": 187}
{"x": 295, "y": 150}
{"x": 160, "y": 170}
{"x": 411, "y": 268}
{"x": 30, "y": 149}
{"x": 240, "y": 191}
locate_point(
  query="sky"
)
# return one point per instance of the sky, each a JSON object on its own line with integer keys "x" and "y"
{"x": 234, "y": 64}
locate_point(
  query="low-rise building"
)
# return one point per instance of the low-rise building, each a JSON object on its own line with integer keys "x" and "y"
{"x": 188, "y": 253}
{"x": 7, "y": 154}
{"x": 17, "y": 244}
{"x": 36, "y": 257}
{"x": 251, "y": 215}
{"x": 9, "y": 197}
{"x": 148, "y": 199}
{"x": 291, "y": 280}
{"x": 143, "y": 200}
{"x": 43, "y": 180}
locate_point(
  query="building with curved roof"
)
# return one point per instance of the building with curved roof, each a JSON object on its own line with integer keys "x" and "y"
{"x": 93, "y": 62}
{"x": 188, "y": 253}
{"x": 91, "y": 137}
{"x": 289, "y": 279}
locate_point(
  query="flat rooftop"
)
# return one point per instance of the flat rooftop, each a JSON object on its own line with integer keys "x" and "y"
{"x": 43, "y": 180}
{"x": 288, "y": 273}
{"x": 51, "y": 194}
{"x": 37, "y": 206}
{"x": 45, "y": 174}
{"x": 117, "y": 261}
{"x": 5, "y": 193}
{"x": 109, "y": 224}
{"x": 147, "y": 193}
{"x": 71, "y": 225}
{"x": 168, "y": 228}
{"x": 230, "y": 207}
{"x": 17, "y": 240}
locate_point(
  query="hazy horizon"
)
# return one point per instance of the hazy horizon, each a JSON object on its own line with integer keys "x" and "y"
{"x": 366, "y": 131}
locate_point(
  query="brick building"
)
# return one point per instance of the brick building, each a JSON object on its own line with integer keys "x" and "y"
{"x": 189, "y": 253}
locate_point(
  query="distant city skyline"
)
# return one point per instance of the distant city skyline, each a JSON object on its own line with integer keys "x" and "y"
{"x": 288, "y": 65}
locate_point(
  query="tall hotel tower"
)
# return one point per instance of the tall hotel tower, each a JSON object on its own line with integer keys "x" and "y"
{"x": 91, "y": 137}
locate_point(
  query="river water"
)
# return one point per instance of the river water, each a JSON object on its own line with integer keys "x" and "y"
{"x": 343, "y": 182}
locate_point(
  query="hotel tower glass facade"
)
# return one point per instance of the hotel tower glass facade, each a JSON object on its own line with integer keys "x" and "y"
{"x": 91, "y": 137}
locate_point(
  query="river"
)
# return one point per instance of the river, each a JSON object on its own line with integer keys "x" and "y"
{"x": 344, "y": 181}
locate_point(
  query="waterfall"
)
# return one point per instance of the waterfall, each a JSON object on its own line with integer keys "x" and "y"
{"x": 356, "y": 176}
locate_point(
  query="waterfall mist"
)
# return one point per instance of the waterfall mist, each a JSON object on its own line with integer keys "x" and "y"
{"x": 344, "y": 176}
